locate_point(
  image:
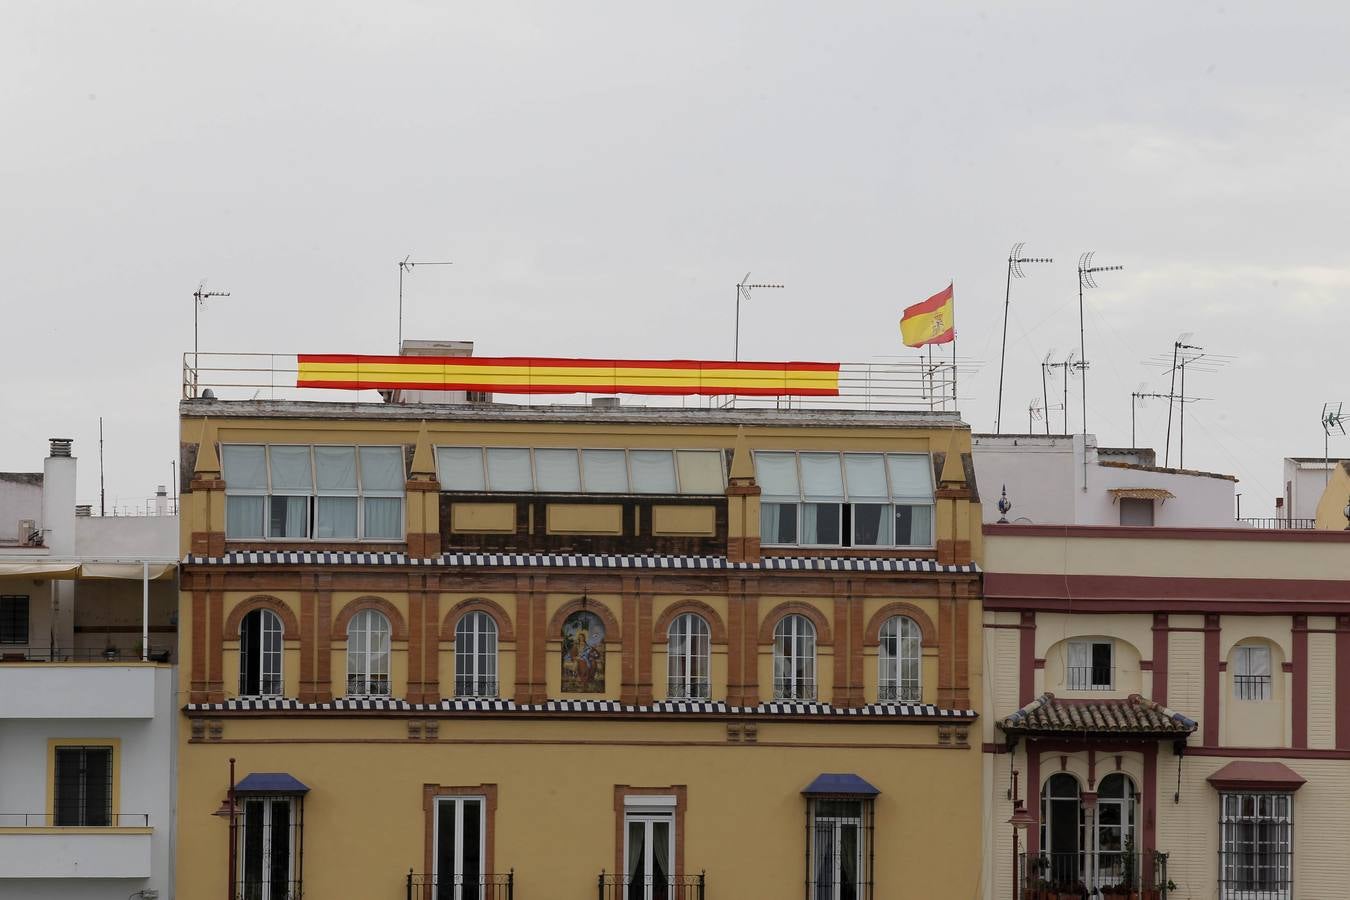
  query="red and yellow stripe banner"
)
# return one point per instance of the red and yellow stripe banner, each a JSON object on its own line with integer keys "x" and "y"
{"x": 544, "y": 375}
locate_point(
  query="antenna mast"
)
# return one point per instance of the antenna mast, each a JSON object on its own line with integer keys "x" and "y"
{"x": 406, "y": 265}
{"x": 1015, "y": 262}
{"x": 1184, "y": 356}
{"x": 101, "y": 494}
{"x": 1331, "y": 418}
{"x": 200, "y": 297}
{"x": 1085, "y": 272}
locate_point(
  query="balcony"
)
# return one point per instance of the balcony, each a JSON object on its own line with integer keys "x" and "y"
{"x": 459, "y": 887}
{"x": 31, "y": 847}
{"x": 800, "y": 689}
{"x": 72, "y": 689}
{"x": 475, "y": 686}
{"x": 1079, "y": 875}
{"x": 670, "y": 887}
{"x": 690, "y": 688}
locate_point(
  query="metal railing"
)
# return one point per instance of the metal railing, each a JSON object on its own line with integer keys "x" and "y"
{"x": 794, "y": 689}
{"x": 475, "y": 686}
{"x": 48, "y": 820}
{"x": 1277, "y": 522}
{"x": 1266, "y": 873}
{"x": 271, "y": 889}
{"x": 885, "y": 384}
{"x": 368, "y": 687}
{"x": 1251, "y": 687}
{"x": 1089, "y": 678}
{"x": 690, "y": 688}
{"x": 670, "y": 887}
{"x": 82, "y": 654}
{"x": 265, "y": 686}
{"x": 1079, "y": 875}
{"x": 899, "y": 693}
{"x": 460, "y": 887}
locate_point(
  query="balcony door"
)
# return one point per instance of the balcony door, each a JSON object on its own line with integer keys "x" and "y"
{"x": 459, "y": 836}
{"x": 1085, "y": 843}
{"x": 267, "y": 868}
{"x": 649, "y": 854}
{"x": 837, "y": 846}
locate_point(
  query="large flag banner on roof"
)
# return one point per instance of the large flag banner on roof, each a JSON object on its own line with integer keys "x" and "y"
{"x": 541, "y": 375}
{"x": 931, "y": 322}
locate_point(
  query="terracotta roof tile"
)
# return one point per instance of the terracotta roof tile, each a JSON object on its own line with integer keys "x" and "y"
{"x": 1133, "y": 715}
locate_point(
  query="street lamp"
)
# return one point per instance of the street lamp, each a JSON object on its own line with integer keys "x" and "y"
{"x": 229, "y": 810}
{"x": 1021, "y": 819}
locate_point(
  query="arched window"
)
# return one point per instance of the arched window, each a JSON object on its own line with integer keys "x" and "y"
{"x": 368, "y": 654}
{"x": 901, "y": 661}
{"x": 260, "y": 654}
{"x": 476, "y": 656}
{"x": 1062, "y": 837}
{"x": 687, "y": 658}
{"x": 794, "y": 659}
{"x": 1112, "y": 837}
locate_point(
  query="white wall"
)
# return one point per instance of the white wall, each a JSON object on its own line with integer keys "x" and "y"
{"x": 19, "y": 499}
{"x": 1044, "y": 477}
{"x": 117, "y": 537}
{"x": 147, "y": 772}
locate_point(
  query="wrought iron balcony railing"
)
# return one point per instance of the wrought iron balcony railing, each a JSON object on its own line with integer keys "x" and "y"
{"x": 899, "y": 693}
{"x": 461, "y": 887}
{"x": 669, "y": 887}
{"x": 1251, "y": 687}
{"x": 269, "y": 889}
{"x": 475, "y": 686}
{"x": 690, "y": 688}
{"x": 378, "y": 686}
{"x": 794, "y": 689}
{"x": 1089, "y": 678}
{"x": 1105, "y": 874}
{"x": 266, "y": 686}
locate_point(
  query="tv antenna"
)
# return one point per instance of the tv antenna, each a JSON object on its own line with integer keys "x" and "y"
{"x": 1086, "y": 271}
{"x": 1070, "y": 366}
{"x": 406, "y": 265}
{"x": 200, "y": 296}
{"x": 743, "y": 288}
{"x": 1331, "y": 419}
{"x": 1015, "y": 262}
{"x": 1185, "y": 356}
{"x": 1136, "y": 401}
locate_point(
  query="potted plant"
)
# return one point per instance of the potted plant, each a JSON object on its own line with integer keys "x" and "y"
{"x": 110, "y": 652}
{"x": 1075, "y": 891}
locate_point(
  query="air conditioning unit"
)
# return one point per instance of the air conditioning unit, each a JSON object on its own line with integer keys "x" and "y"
{"x": 29, "y": 536}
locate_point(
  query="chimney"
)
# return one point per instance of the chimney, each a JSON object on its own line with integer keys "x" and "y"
{"x": 58, "y": 498}
{"x": 161, "y": 500}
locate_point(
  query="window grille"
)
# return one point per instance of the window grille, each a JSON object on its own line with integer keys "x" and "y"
{"x": 14, "y": 619}
{"x": 839, "y": 855}
{"x": 1256, "y": 847}
{"x": 1251, "y": 672}
{"x": 82, "y": 794}
{"x": 270, "y": 831}
{"x": 1091, "y": 666}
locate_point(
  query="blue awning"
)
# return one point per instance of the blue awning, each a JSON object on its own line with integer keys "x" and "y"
{"x": 836, "y": 784}
{"x": 270, "y": 783}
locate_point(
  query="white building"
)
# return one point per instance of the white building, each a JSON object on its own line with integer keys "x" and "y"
{"x": 87, "y": 703}
{"x": 1050, "y": 480}
{"x": 1305, "y": 478}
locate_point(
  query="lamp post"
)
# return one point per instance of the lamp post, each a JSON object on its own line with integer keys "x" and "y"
{"x": 1021, "y": 819}
{"x": 228, "y": 810}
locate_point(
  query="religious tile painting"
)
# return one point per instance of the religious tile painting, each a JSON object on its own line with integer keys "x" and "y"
{"x": 583, "y": 654}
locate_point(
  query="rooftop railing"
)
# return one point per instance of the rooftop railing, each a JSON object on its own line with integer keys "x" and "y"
{"x": 912, "y": 384}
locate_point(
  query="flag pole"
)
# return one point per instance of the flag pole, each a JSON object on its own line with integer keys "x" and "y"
{"x": 955, "y": 404}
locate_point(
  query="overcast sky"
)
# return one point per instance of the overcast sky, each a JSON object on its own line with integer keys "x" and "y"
{"x": 602, "y": 174}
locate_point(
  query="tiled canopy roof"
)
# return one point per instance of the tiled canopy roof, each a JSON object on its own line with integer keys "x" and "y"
{"x": 1132, "y": 716}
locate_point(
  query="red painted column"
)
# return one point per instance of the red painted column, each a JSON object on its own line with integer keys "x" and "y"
{"x": 1160, "y": 638}
{"x": 1026, "y": 660}
{"x": 1150, "y": 804}
{"x": 1299, "y": 693}
{"x": 1211, "y": 681}
{"x": 1342, "y": 702}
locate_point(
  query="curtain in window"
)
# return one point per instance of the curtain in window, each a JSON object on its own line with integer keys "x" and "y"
{"x": 866, "y": 474}
{"x": 244, "y": 517}
{"x": 384, "y": 518}
{"x": 335, "y": 468}
{"x": 1080, "y": 665}
{"x": 460, "y": 468}
{"x": 776, "y": 475}
{"x": 822, "y": 477}
{"x": 291, "y": 470}
{"x": 653, "y": 471}
{"x": 871, "y": 525}
{"x": 368, "y": 653}
{"x": 901, "y": 658}
{"x": 911, "y": 476}
{"x": 794, "y": 660}
{"x": 778, "y": 523}
{"x": 660, "y": 860}
{"x": 701, "y": 471}
{"x": 244, "y": 467}
{"x": 336, "y": 517}
{"x": 556, "y": 471}
{"x": 382, "y": 469}
{"x": 820, "y": 523}
{"x": 913, "y": 525}
{"x": 289, "y": 517}
{"x": 636, "y": 852}
{"x": 606, "y": 471}
{"x": 509, "y": 470}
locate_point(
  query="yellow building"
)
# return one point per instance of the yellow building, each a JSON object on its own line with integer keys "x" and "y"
{"x": 1170, "y": 708}
{"x": 484, "y": 650}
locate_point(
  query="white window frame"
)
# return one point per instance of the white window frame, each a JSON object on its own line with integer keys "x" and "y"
{"x": 689, "y": 666}
{"x": 361, "y": 665}
{"x": 267, "y": 617}
{"x": 479, "y": 665}
{"x": 894, "y": 685}
{"x": 361, "y": 494}
{"x": 1232, "y": 822}
{"x": 797, "y": 631}
{"x": 629, "y": 490}
{"x": 1087, "y": 681}
{"x": 460, "y": 891}
{"x": 648, "y": 812}
{"x": 1254, "y": 691}
{"x": 891, "y": 502}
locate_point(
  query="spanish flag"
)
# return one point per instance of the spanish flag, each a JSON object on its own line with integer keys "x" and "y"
{"x": 931, "y": 322}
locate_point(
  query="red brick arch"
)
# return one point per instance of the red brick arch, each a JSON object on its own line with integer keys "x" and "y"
{"x": 477, "y": 604}
{"x": 795, "y": 607}
{"x": 612, "y": 630}
{"x": 928, "y": 634}
{"x": 290, "y": 627}
{"x": 661, "y": 630}
{"x": 398, "y": 627}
